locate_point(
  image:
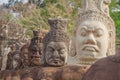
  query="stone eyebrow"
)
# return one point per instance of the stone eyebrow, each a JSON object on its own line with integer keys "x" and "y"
{"x": 96, "y": 29}
{"x": 84, "y": 28}
{"x": 50, "y": 46}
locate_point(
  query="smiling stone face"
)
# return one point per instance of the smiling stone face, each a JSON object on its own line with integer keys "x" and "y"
{"x": 56, "y": 53}
{"x": 90, "y": 39}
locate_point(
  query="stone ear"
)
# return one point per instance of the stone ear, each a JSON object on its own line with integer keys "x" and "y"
{"x": 110, "y": 33}
{"x": 73, "y": 46}
{"x": 110, "y": 44}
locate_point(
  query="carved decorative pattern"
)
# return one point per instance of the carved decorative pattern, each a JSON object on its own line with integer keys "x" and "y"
{"x": 57, "y": 31}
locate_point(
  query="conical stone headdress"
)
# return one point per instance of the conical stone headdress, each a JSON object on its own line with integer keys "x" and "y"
{"x": 57, "y": 32}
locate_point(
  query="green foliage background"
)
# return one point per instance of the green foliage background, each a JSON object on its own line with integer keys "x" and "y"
{"x": 115, "y": 14}
{"x": 51, "y": 9}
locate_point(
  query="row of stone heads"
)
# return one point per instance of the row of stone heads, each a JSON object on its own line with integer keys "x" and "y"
{"x": 93, "y": 38}
{"x": 46, "y": 48}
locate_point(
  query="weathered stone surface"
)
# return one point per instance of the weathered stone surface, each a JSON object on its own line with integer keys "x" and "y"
{"x": 35, "y": 49}
{"x": 102, "y": 5}
{"x": 94, "y": 34}
{"x": 44, "y": 73}
{"x": 13, "y": 59}
{"x": 31, "y": 52}
{"x": 104, "y": 69}
{"x": 55, "y": 43}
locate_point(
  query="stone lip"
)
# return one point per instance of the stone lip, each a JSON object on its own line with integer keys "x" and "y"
{"x": 93, "y": 48}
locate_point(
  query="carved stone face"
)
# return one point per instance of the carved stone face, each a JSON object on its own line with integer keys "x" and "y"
{"x": 92, "y": 39}
{"x": 35, "y": 55}
{"x": 56, "y": 53}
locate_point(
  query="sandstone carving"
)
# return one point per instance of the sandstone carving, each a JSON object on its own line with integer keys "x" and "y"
{"x": 31, "y": 52}
{"x": 93, "y": 39}
{"x": 44, "y": 73}
{"x": 56, "y": 43}
{"x": 106, "y": 68}
{"x": 102, "y": 5}
{"x": 55, "y": 55}
{"x": 35, "y": 50}
{"x": 99, "y": 71}
{"x": 93, "y": 36}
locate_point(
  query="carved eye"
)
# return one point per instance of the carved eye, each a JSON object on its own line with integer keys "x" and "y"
{"x": 62, "y": 51}
{"x": 99, "y": 33}
{"x": 83, "y": 32}
{"x": 50, "y": 49}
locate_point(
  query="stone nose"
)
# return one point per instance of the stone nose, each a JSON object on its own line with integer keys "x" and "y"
{"x": 56, "y": 54}
{"x": 90, "y": 39}
{"x": 37, "y": 53}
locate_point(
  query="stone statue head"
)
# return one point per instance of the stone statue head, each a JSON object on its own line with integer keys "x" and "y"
{"x": 55, "y": 43}
{"x": 35, "y": 49}
{"x": 94, "y": 36}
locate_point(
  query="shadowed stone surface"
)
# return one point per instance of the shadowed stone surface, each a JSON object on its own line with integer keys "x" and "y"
{"x": 104, "y": 69}
{"x": 44, "y": 73}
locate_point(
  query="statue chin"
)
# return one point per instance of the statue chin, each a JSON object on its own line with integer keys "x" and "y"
{"x": 87, "y": 58}
{"x": 83, "y": 58}
{"x": 36, "y": 62}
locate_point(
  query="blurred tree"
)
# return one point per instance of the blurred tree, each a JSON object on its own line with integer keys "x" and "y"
{"x": 38, "y": 18}
{"x": 115, "y": 14}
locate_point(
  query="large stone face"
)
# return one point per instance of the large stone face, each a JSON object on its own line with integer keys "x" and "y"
{"x": 56, "y": 53}
{"x": 106, "y": 68}
{"x": 94, "y": 33}
{"x": 90, "y": 37}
